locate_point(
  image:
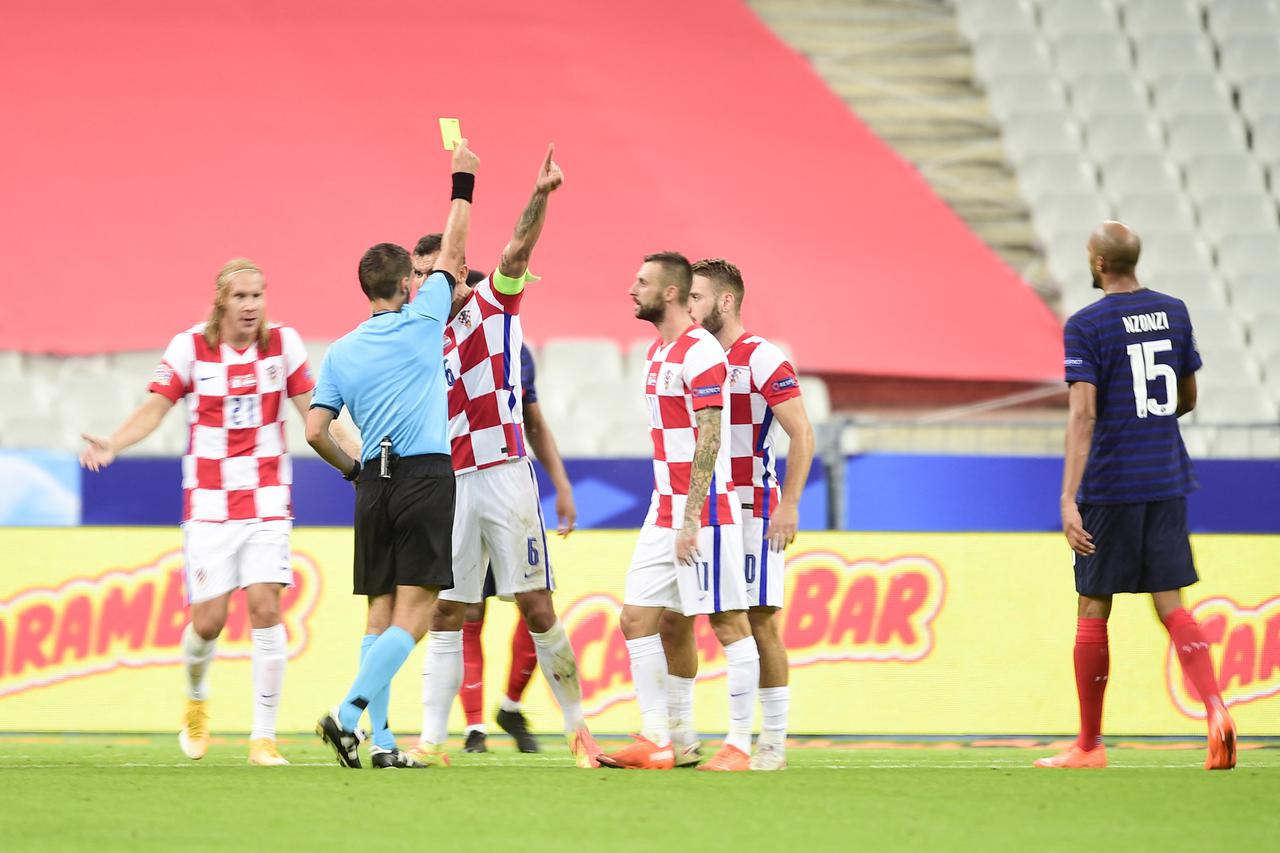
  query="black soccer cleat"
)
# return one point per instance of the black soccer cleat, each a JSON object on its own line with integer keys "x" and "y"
{"x": 394, "y": 758}
{"x": 475, "y": 742}
{"x": 514, "y": 724}
{"x": 345, "y": 744}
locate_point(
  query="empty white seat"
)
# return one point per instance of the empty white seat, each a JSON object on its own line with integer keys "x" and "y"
{"x": 1069, "y": 213}
{"x": 1017, "y": 94}
{"x": 1079, "y": 55}
{"x": 1008, "y": 53}
{"x": 1066, "y": 257}
{"x": 1195, "y": 289}
{"x": 1260, "y": 441}
{"x": 1154, "y": 212}
{"x": 40, "y": 433}
{"x": 1264, "y": 338}
{"x": 975, "y": 19}
{"x": 1224, "y": 174}
{"x": 1193, "y": 135}
{"x": 817, "y": 399}
{"x": 1233, "y": 406}
{"x": 1225, "y": 215}
{"x": 1218, "y": 325}
{"x": 1123, "y": 174}
{"x": 1172, "y": 53}
{"x": 1037, "y": 134}
{"x": 1242, "y": 18}
{"x": 1256, "y": 300}
{"x": 1260, "y": 96}
{"x": 11, "y": 363}
{"x": 1227, "y": 365}
{"x": 1249, "y": 56}
{"x": 1067, "y": 17}
{"x": 25, "y": 397}
{"x": 1055, "y": 174}
{"x": 1246, "y": 254}
{"x": 583, "y": 359}
{"x": 1266, "y": 145}
{"x": 1170, "y": 252}
{"x": 1143, "y": 17}
{"x": 623, "y": 437}
{"x": 1108, "y": 94}
{"x": 1109, "y": 136}
{"x": 1196, "y": 92}
{"x": 140, "y": 364}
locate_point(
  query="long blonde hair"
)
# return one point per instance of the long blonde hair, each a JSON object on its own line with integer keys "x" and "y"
{"x": 213, "y": 326}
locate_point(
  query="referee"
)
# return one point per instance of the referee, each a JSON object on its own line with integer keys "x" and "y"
{"x": 388, "y": 373}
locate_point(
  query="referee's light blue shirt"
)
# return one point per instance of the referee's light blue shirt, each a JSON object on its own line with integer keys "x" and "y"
{"x": 388, "y": 372}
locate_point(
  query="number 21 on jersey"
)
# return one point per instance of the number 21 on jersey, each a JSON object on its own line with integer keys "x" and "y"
{"x": 1142, "y": 361}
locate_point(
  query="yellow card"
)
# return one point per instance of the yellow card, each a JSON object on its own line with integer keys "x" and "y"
{"x": 450, "y": 133}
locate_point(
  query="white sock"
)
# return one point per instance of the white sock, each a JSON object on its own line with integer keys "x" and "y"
{"x": 560, "y": 667}
{"x": 512, "y": 707}
{"x": 680, "y": 707}
{"x": 270, "y": 652}
{"x": 197, "y": 654}
{"x": 441, "y": 679}
{"x": 774, "y": 705}
{"x": 649, "y": 673}
{"x": 744, "y": 681}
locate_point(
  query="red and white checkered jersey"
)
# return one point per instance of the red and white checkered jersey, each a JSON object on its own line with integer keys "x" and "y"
{"x": 482, "y": 368}
{"x": 760, "y": 377}
{"x": 681, "y": 378}
{"x": 236, "y": 467}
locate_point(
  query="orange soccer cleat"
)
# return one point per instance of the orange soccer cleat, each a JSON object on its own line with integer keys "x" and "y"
{"x": 1076, "y": 758}
{"x": 644, "y": 754}
{"x": 1222, "y": 741}
{"x": 728, "y": 759}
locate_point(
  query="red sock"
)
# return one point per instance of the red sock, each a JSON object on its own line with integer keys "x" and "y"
{"x": 472, "y": 690}
{"x": 1093, "y": 663}
{"x": 524, "y": 660}
{"x": 1193, "y": 654}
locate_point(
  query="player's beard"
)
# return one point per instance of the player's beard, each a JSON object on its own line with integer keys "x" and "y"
{"x": 714, "y": 321}
{"x": 651, "y": 311}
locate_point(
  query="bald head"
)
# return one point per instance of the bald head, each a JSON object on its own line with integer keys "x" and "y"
{"x": 1114, "y": 249}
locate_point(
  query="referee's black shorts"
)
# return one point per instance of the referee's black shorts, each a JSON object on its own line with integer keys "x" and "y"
{"x": 404, "y": 525}
{"x": 1142, "y": 547}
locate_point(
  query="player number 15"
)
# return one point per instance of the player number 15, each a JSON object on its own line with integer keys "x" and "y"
{"x": 1142, "y": 359}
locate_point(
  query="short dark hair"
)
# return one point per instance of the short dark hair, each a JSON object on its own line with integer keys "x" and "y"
{"x": 474, "y": 277}
{"x": 381, "y": 269}
{"x": 428, "y": 244}
{"x": 678, "y": 269}
{"x": 724, "y": 275}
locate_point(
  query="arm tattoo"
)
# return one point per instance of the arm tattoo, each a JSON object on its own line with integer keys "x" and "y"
{"x": 704, "y": 464}
{"x": 534, "y": 211}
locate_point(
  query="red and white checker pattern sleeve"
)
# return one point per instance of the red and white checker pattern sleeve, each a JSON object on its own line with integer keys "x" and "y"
{"x": 299, "y": 378}
{"x": 172, "y": 377}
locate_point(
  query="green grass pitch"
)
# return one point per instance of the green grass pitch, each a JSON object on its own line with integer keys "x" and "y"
{"x": 139, "y": 793}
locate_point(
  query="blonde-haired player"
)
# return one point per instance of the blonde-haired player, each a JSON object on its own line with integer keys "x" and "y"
{"x": 234, "y": 373}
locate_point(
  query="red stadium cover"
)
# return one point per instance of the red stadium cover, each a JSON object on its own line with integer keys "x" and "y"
{"x": 146, "y": 142}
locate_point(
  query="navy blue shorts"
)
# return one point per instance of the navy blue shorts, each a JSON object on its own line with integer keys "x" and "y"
{"x": 1140, "y": 548}
{"x": 490, "y": 585}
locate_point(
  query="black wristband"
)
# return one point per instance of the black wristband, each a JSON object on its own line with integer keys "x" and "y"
{"x": 353, "y": 473}
{"x": 464, "y": 186}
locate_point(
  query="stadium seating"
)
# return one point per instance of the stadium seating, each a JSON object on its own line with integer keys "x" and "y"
{"x": 1173, "y": 106}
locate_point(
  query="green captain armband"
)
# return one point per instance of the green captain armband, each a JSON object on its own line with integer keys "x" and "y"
{"x": 511, "y": 286}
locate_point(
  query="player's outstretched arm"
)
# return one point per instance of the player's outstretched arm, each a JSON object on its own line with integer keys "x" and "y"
{"x": 516, "y": 254}
{"x": 1082, "y": 403}
{"x": 453, "y": 244}
{"x": 786, "y": 520}
{"x": 319, "y": 419}
{"x": 546, "y": 452}
{"x": 704, "y": 467}
{"x": 143, "y": 421}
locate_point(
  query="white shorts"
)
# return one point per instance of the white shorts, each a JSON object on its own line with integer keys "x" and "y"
{"x": 765, "y": 569}
{"x": 497, "y": 525}
{"x": 714, "y": 584}
{"x": 219, "y": 557}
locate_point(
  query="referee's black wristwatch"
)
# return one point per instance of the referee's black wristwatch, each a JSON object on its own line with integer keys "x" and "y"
{"x": 353, "y": 473}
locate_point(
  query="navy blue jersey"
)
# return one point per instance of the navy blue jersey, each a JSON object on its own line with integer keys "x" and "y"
{"x": 526, "y": 376}
{"x": 1134, "y": 347}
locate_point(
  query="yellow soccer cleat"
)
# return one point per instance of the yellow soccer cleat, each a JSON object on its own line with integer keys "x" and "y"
{"x": 263, "y": 753}
{"x": 194, "y": 735}
{"x": 429, "y": 755}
